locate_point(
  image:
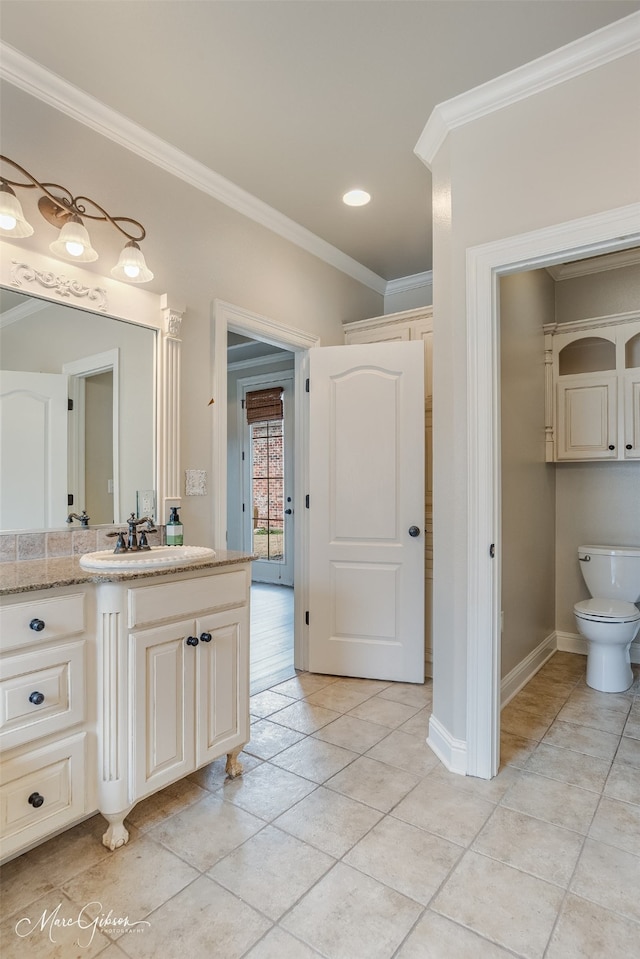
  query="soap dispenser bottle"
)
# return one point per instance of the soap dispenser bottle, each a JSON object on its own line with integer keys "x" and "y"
{"x": 174, "y": 529}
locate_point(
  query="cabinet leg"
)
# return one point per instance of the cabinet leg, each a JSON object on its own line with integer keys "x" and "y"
{"x": 117, "y": 834}
{"x": 234, "y": 767}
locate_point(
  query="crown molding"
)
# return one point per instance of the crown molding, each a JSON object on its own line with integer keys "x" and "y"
{"x": 587, "y": 53}
{"x": 592, "y": 322}
{"x": 34, "y": 79}
{"x": 20, "y": 312}
{"x": 600, "y": 264}
{"x": 413, "y": 282}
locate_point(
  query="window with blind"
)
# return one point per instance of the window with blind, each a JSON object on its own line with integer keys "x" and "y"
{"x": 264, "y": 411}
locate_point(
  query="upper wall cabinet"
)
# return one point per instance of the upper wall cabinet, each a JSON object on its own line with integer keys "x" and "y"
{"x": 408, "y": 325}
{"x": 593, "y": 390}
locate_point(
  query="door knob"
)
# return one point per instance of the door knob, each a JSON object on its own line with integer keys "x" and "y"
{"x": 192, "y": 640}
{"x": 205, "y": 637}
{"x": 414, "y": 531}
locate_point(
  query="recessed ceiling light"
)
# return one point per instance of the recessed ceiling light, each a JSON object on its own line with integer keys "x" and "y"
{"x": 356, "y": 198}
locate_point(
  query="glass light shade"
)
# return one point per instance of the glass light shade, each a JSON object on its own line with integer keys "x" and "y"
{"x": 131, "y": 265}
{"x": 12, "y": 221}
{"x": 74, "y": 243}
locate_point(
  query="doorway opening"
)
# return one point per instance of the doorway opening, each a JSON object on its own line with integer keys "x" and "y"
{"x": 260, "y": 484}
{"x": 230, "y": 319}
{"x": 578, "y": 239}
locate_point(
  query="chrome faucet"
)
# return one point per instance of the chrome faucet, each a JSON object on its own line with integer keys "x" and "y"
{"x": 132, "y": 542}
{"x": 83, "y": 519}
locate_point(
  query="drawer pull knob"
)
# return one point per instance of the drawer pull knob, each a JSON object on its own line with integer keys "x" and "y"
{"x": 37, "y": 624}
{"x": 205, "y": 637}
{"x": 36, "y": 800}
{"x": 628, "y": 446}
{"x": 36, "y": 698}
{"x": 192, "y": 640}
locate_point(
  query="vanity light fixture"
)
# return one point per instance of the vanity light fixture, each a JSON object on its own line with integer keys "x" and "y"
{"x": 64, "y": 211}
{"x": 356, "y": 198}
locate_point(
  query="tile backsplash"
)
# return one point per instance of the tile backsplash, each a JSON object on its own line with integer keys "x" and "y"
{"x": 49, "y": 544}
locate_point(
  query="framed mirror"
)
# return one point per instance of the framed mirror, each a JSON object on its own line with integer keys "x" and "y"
{"x": 89, "y": 374}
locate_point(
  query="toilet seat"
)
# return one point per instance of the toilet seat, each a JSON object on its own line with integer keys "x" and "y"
{"x": 607, "y": 611}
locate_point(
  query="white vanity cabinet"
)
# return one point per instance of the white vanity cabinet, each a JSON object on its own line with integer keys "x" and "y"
{"x": 180, "y": 646}
{"x": 411, "y": 325}
{"x": 46, "y": 719}
{"x": 593, "y": 410}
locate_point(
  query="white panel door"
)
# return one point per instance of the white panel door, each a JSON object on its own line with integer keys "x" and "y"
{"x": 222, "y": 676}
{"x": 366, "y": 519}
{"x": 163, "y": 669}
{"x": 33, "y": 449}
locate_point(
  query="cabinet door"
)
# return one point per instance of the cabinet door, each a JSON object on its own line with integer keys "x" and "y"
{"x": 632, "y": 414}
{"x": 222, "y": 677}
{"x": 587, "y": 417}
{"x": 163, "y": 669}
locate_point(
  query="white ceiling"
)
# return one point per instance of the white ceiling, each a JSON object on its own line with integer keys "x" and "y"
{"x": 296, "y": 101}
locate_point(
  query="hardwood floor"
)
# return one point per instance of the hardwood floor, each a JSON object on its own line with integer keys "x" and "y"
{"x": 271, "y": 635}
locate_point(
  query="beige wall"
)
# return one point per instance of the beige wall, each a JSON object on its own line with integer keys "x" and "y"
{"x": 561, "y": 154}
{"x": 528, "y": 482}
{"x": 198, "y": 249}
{"x": 410, "y": 299}
{"x": 598, "y": 294}
{"x": 99, "y": 448}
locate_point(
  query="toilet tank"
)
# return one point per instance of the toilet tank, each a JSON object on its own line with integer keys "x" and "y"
{"x": 611, "y": 572}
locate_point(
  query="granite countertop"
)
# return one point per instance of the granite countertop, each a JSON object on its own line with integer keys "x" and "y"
{"x": 28, "y": 575}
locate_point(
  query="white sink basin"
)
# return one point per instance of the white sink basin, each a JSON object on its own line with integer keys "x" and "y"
{"x": 158, "y": 557}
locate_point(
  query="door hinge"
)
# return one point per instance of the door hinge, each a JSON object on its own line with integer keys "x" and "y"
{"x": 242, "y": 401}
{"x": 306, "y": 385}
{"x": 243, "y": 507}
{"x": 69, "y": 404}
{"x": 492, "y": 550}
{"x": 306, "y": 501}
{"x": 243, "y": 454}
{"x": 306, "y": 617}
{"x": 69, "y": 499}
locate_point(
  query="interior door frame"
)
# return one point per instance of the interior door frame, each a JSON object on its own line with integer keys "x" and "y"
{"x": 229, "y": 318}
{"x": 593, "y": 235}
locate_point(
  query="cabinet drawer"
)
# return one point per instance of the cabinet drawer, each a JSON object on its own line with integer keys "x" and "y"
{"x": 152, "y": 604}
{"x": 53, "y": 774}
{"x": 41, "y": 692}
{"x": 62, "y": 616}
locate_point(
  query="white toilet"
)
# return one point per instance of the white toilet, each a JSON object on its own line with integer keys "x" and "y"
{"x": 610, "y": 621}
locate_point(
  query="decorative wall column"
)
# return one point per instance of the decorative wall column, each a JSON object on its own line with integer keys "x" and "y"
{"x": 549, "y": 437}
{"x": 168, "y": 408}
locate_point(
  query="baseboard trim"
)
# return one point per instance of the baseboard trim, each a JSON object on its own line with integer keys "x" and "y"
{"x": 520, "y": 675}
{"x": 574, "y": 643}
{"x": 450, "y": 751}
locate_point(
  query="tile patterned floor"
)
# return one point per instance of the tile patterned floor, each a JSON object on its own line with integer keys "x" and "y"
{"x": 347, "y": 839}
